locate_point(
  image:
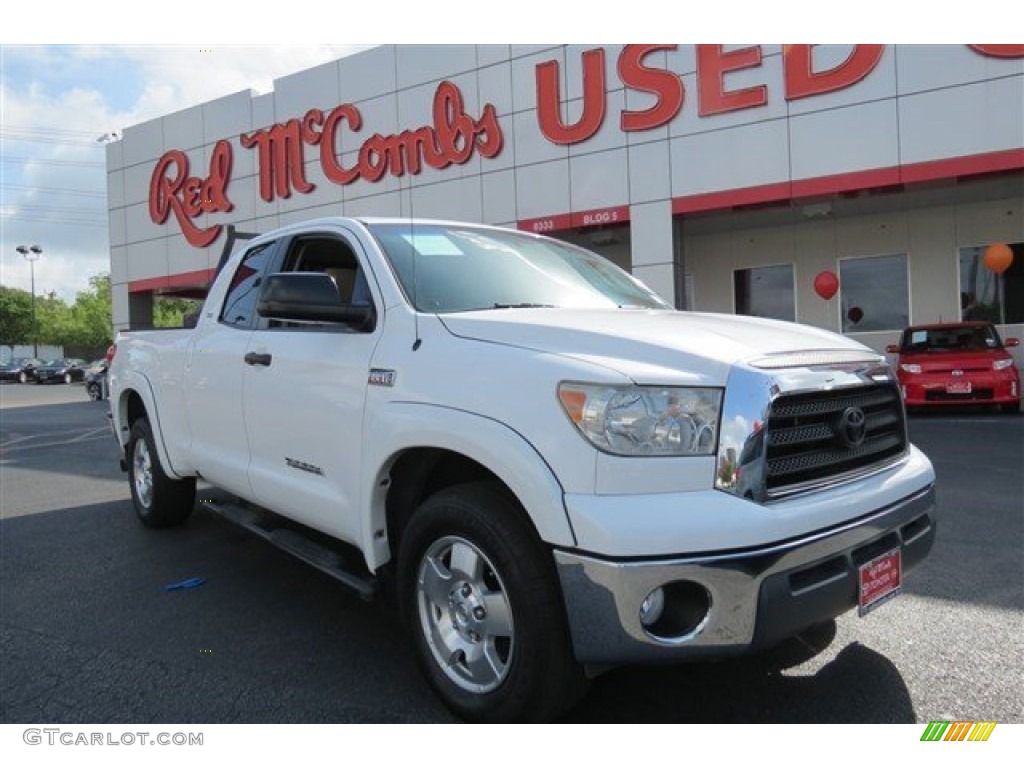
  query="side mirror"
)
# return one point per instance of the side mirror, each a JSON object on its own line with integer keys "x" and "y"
{"x": 1011, "y": 342}
{"x": 893, "y": 349}
{"x": 310, "y": 297}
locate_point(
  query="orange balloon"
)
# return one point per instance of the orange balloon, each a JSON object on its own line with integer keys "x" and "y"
{"x": 998, "y": 257}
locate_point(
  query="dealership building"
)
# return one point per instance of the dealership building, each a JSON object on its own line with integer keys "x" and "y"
{"x": 727, "y": 178}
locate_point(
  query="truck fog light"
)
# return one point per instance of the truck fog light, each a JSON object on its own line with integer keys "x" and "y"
{"x": 683, "y": 610}
{"x": 652, "y": 606}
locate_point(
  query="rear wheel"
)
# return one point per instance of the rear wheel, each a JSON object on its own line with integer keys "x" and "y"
{"x": 160, "y": 501}
{"x": 480, "y": 596}
{"x": 94, "y": 392}
{"x": 22, "y": 377}
{"x": 1012, "y": 407}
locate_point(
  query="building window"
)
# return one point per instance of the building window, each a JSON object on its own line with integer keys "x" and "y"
{"x": 765, "y": 292}
{"x": 873, "y": 293}
{"x": 986, "y": 295}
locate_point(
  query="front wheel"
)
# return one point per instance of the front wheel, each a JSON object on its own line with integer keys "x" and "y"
{"x": 22, "y": 378}
{"x": 94, "y": 392}
{"x": 480, "y": 596}
{"x": 160, "y": 501}
{"x": 67, "y": 378}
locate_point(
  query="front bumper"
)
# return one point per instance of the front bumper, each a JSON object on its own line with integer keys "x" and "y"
{"x": 757, "y": 596}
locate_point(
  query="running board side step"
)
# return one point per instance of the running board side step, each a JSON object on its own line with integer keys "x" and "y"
{"x": 275, "y": 530}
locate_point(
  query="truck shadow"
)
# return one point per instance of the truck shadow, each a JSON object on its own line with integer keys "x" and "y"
{"x": 858, "y": 685}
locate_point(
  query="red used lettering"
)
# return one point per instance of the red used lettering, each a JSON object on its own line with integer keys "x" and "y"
{"x": 172, "y": 190}
{"x": 664, "y": 84}
{"x": 802, "y": 81}
{"x": 712, "y": 65}
{"x": 1015, "y": 51}
{"x": 549, "y": 96}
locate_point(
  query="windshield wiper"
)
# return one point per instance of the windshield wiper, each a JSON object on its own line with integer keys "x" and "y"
{"x": 524, "y": 306}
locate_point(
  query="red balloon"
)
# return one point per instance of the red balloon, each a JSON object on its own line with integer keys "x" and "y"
{"x": 998, "y": 257}
{"x": 826, "y": 284}
{"x": 855, "y": 315}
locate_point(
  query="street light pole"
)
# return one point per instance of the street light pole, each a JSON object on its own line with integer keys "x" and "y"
{"x": 32, "y": 254}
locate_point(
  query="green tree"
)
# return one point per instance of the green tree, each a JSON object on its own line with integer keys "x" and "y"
{"x": 15, "y": 316}
{"x": 170, "y": 313}
{"x": 90, "y": 321}
{"x": 54, "y": 318}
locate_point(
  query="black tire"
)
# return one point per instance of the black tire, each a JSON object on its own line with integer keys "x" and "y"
{"x": 160, "y": 501}
{"x": 94, "y": 392}
{"x": 68, "y": 378}
{"x": 478, "y": 588}
{"x": 1012, "y": 407}
{"x": 22, "y": 378}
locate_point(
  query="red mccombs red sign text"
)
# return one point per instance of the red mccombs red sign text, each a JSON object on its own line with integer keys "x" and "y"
{"x": 454, "y": 136}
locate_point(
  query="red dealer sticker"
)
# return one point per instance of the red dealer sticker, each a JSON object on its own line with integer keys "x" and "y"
{"x": 880, "y": 580}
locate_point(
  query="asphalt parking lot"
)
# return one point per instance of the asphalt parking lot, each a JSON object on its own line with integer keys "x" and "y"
{"x": 88, "y": 635}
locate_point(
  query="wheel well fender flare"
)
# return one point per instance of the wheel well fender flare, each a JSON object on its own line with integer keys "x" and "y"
{"x": 509, "y": 456}
{"x": 135, "y": 384}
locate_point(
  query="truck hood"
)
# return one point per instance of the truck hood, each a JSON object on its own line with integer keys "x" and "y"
{"x": 653, "y": 346}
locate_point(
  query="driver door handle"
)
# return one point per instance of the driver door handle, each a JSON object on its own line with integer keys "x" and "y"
{"x": 256, "y": 358}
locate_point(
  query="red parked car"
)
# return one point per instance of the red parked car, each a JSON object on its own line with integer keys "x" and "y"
{"x": 957, "y": 364}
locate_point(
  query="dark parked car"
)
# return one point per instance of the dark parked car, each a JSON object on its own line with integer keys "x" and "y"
{"x": 957, "y": 364}
{"x": 61, "y": 370}
{"x": 19, "y": 370}
{"x": 96, "y": 382}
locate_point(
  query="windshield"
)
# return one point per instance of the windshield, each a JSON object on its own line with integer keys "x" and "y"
{"x": 963, "y": 339}
{"x": 454, "y": 268}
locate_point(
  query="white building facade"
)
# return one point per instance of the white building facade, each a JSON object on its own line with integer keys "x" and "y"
{"x": 725, "y": 177}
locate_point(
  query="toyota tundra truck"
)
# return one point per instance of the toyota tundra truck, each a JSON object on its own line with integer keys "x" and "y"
{"x": 550, "y": 469}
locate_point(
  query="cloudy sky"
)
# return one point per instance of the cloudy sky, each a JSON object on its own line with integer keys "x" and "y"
{"x": 58, "y": 100}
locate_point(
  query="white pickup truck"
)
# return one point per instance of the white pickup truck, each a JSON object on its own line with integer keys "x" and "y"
{"x": 550, "y": 469}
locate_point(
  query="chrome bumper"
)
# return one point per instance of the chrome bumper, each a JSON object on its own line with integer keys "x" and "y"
{"x": 757, "y": 596}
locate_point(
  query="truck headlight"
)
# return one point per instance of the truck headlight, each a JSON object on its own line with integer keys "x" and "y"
{"x": 1002, "y": 365}
{"x": 645, "y": 421}
{"x": 910, "y": 367}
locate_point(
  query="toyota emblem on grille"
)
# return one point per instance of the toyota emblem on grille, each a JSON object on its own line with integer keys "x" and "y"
{"x": 852, "y": 427}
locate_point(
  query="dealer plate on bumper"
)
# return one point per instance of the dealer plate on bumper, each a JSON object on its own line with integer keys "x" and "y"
{"x": 879, "y": 581}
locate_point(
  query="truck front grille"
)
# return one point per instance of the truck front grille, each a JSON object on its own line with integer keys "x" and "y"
{"x": 813, "y": 437}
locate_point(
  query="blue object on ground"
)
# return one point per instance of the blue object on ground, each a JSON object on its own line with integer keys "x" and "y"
{"x": 192, "y": 583}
